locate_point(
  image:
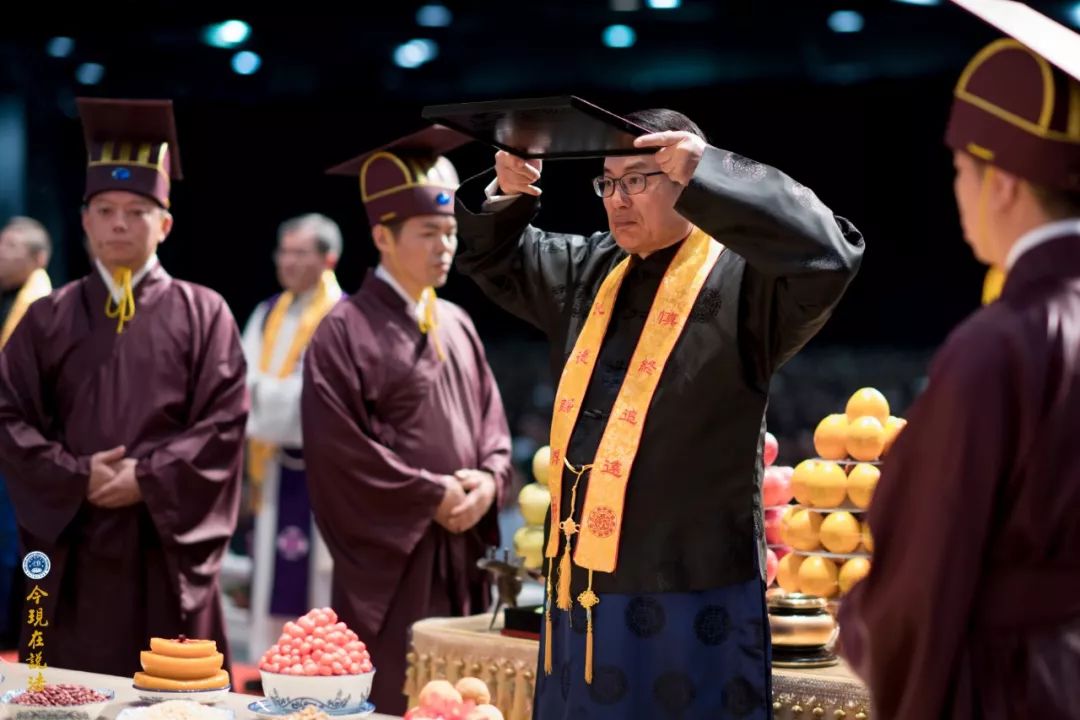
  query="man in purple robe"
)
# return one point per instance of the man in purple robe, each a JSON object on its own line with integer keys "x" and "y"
{"x": 122, "y": 412}
{"x": 972, "y": 606}
{"x": 406, "y": 442}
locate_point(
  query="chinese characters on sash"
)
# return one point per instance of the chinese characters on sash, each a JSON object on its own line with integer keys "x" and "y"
{"x": 36, "y": 644}
{"x": 36, "y": 567}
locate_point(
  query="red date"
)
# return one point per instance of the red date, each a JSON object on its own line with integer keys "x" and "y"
{"x": 59, "y": 695}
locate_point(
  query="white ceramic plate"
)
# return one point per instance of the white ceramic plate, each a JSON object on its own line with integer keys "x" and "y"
{"x": 139, "y": 713}
{"x": 266, "y": 709}
{"x": 206, "y": 697}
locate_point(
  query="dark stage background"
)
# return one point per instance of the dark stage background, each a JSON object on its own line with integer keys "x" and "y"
{"x": 857, "y": 116}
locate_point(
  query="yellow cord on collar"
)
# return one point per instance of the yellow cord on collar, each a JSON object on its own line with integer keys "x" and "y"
{"x": 428, "y": 321}
{"x": 124, "y": 310}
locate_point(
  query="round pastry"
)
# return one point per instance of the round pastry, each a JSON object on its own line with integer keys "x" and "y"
{"x": 183, "y": 647}
{"x": 145, "y": 681}
{"x": 177, "y": 668}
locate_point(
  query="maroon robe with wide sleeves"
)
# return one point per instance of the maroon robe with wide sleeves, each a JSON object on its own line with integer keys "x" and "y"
{"x": 972, "y": 608}
{"x": 382, "y": 416}
{"x": 171, "y": 390}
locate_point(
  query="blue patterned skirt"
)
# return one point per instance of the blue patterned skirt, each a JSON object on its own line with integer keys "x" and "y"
{"x": 683, "y": 656}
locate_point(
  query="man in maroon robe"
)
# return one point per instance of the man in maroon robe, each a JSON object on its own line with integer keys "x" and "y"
{"x": 122, "y": 412}
{"x": 972, "y": 607}
{"x": 407, "y": 446}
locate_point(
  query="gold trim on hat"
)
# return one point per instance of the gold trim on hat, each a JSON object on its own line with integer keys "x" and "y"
{"x": 405, "y": 171}
{"x": 108, "y": 157}
{"x": 1042, "y": 127}
{"x": 367, "y": 163}
{"x": 980, "y": 152}
{"x": 403, "y": 188}
{"x": 133, "y": 163}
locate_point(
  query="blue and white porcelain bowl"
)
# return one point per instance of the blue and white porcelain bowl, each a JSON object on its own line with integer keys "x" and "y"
{"x": 86, "y": 711}
{"x": 333, "y": 694}
{"x": 266, "y": 710}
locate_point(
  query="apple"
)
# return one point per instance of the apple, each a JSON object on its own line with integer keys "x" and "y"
{"x": 474, "y": 689}
{"x": 772, "y": 526}
{"x": 772, "y": 449}
{"x": 776, "y": 486}
{"x": 437, "y": 692}
{"x": 771, "y": 564}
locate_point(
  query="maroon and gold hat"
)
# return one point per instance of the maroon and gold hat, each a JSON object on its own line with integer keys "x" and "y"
{"x": 407, "y": 177}
{"x": 132, "y": 146}
{"x": 1017, "y": 103}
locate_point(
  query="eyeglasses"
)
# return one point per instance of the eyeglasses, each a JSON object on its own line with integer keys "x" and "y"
{"x": 633, "y": 183}
{"x": 281, "y": 254}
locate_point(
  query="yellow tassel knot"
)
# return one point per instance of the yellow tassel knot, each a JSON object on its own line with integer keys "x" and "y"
{"x": 124, "y": 310}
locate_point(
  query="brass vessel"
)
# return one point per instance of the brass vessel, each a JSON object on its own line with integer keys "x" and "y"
{"x": 803, "y": 630}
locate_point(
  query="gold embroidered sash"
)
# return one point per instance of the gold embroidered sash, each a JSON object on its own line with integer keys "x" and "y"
{"x": 597, "y": 547}
{"x": 36, "y": 287}
{"x": 327, "y": 293}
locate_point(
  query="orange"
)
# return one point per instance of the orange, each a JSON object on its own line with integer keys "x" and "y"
{"x": 865, "y": 439}
{"x": 852, "y": 572}
{"x": 818, "y": 576}
{"x": 785, "y": 516}
{"x": 830, "y": 437}
{"x": 867, "y": 401}
{"x": 867, "y": 538}
{"x": 861, "y": 482}
{"x": 801, "y": 529}
{"x": 787, "y": 572}
{"x": 893, "y": 426}
{"x": 801, "y": 478}
{"x": 840, "y": 532}
{"x": 827, "y": 486}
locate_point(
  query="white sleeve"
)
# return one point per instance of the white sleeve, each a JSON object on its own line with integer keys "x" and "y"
{"x": 275, "y": 402}
{"x": 275, "y": 407}
{"x": 494, "y": 199}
